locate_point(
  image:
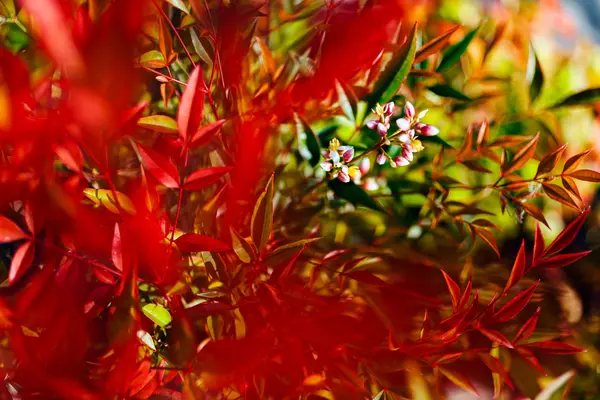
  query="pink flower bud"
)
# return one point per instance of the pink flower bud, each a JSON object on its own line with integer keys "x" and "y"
{"x": 388, "y": 109}
{"x": 364, "y": 166}
{"x": 382, "y": 129}
{"x": 407, "y": 152}
{"x": 381, "y": 158}
{"x": 401, "y": 161}
{"x": 403, "y": 124}
{"x": 429, "y": 130}
{"x": 409, "y": 110}
{"x": 348, "y": 154}
{"x": 372, "y": 124}
{"x": 344, "y": 177}
{"x": 371, "y": 184}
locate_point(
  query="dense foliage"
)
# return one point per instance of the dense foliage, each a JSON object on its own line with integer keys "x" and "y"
{"x": 287, "y": 199}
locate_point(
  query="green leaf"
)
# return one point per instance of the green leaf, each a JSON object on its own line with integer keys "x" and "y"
{"x": 448, "y": 91}
{"x": 200, "y": 49}
{"x": 395, "y": 71}
{"x": 537, "y": 80}
{"x": 454, "y": 52}
{"x": 354, "y": 194}
{"x": 179, "y": 4}
{"x": 347, "y": 99}
{"x": 588, "y": 96}
{"x": 242, "y": 248}
{"x": 312, "y": 141}
{"x": 158, "y": 314}
{"x": 262, "y": 217}
{"x": 159, "y": 123}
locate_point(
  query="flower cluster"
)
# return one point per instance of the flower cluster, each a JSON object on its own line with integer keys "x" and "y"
{"x": 336, "y": 159}
{"x": 409, "y": 127}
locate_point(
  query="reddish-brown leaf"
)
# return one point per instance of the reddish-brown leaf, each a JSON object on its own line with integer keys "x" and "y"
{"x": 538, "y": 243}
{"x": 521, "y": 158}
{"x": 160, "y": 167}
{"x": 495, "y": 337}
{"x": 206, "y": 133}
{"x": 454, "y": 290}
{"x": 559, "y": 194}
{"x": 531, "y": 359}
{"x": 513, "y": 307}
{"x": 205, "y": 177}
{"x": 518, "y": 269}
{"x": 528, "y": 327}
{"x": 466, "y": 295}
{"x": 567, "y": 235}
{"x": 192, "y": 242}
{"x": 207, "y": 308}
{"x": 434, "y": 45}
{"x": 535, "y": 212}
{"x": 548, "y": 163}
{"x": 366, "y": 277}
{"x": 572, "y": 163}
{"x": 21, "y": 261}
{"x": 560, "y": 260}
{"x": 495, "y": 365}
{"x": 191, "y": 106}
{"x": 554, "y": 347}
{"x": 459, "y": 380}
{"x": 9, "y": 231}
{"x": 571, "y": 186}
{"x": 489, "y": 238}
{"x": 585, "y": 175}
{"x": 508, "y": 141}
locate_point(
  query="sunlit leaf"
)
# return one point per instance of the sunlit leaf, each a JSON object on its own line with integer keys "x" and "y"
{"x": 453, "y": 289}
{"x": 206, "y": 133}
{"x": 521, "y": 158}
{"x": 157, "y": 314}
{"x": 242, "y": 248}
{"x": 180, "y": 5}
{"x": 573, "y": 162}
{"x": 495, "y": 337}
{"x": 205, "y": 177}
{"x": 21, "y": 262}
{"x": 191, "y": 107}
{"x": 105, "y": 197}
{"x": 535, "y": 212}
{"x": 561, "y": 260}
{"x": 559, "y": 194}
{"x": 160, "y": 167}
{"x": 347, "y": 100}
{"x": 587, "y": 175}
{"x": 459, "y": 380}
{"x": 159, "y": 123}
{"x": 549, "y": 161}
{"x": 9, "y": 231}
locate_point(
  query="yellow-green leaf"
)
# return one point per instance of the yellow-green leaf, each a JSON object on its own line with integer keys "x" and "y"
{"x": 262, "y": 217}
{"x": 104, "y": 197}
{"x": 159, "y": 123}
{"x": 242, "y": 248}
{"x": 157, "y": 314}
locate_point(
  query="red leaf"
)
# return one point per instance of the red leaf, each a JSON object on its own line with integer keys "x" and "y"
{"x": 518, "y": 269}
{"x": 160, "y": 167}
{"x": 531, "y": 359}
{"x": 453, "y": 289}
{"x": 538, "y": 243}
{"x": 466, "y": 295}
{"x": 528, "y": 327}
{"x": 548, "y": 163}
{"x": 366, "y": 277}
{"x": 117, "y": 249}
{"x": 561, "y": 260}
{"x": 586, "y": 175}
{"x": 207, "y": 308}
{"x": 70, "y": 154}
{"x": 535, "y": 212}
{"x": 515, "y": 305}
{"x": 554, "y": 347}
{"x": 191, "y": 242}
{"x": 9, "y": 231}
{"x": 205, "y": 177}
{"x": 521, "y": 158}
{"x": 495, "y": 365}
{"x": 20, "y": 262}
{"x": 495, "y": 337}
{"x": 206, "y": 133}
{"x": 191, "y": 106}
{"x": 459, "y": 380}
{"x": 567, "y": 235}
{"x": 55, "y": 33}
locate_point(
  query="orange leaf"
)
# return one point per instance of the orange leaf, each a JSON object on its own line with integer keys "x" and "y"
{"x": 574, "y": 161}
{"x": 559, "y": 194}
{"x": 191, "y": 108}
{"x": 522, "y": 156}
{"x": 571, "y": 186}
{"x": 567, "y": 235}
{"x": 489, "y": 238}
{"x": 586, "y": 175}
{"x": 548, "y": 163}
{"x": 434, "y": 45}
{"x": 535, "y": 213}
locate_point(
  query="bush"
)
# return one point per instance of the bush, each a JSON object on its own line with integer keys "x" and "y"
{"x": 229, "y": 199}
